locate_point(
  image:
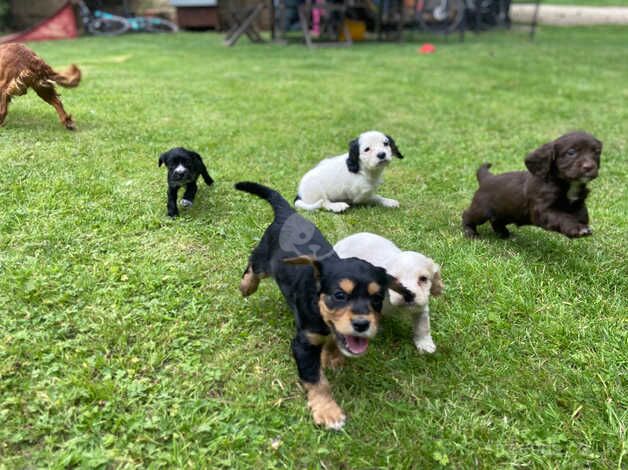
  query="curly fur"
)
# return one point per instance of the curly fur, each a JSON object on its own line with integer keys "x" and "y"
{"x": 550, "y": 195}
{"x": 416, "y": 272}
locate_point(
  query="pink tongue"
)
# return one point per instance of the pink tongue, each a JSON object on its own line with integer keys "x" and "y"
{"x": 356, "y": 344}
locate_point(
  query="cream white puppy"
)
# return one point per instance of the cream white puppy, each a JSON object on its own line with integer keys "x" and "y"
{"x": 417, "y": 273}
{"x": 352, "y": 178}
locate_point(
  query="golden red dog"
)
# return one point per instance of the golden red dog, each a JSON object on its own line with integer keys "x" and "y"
{"x": 21, "y": 69}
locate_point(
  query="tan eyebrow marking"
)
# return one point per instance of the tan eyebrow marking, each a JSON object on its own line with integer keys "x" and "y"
{"x": 347, "y": 285}
{"x": 374, "y": 288}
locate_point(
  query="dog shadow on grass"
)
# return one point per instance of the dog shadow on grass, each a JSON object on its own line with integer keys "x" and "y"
{"x": 38, "y": 122}
{"x": 555, "y": 252}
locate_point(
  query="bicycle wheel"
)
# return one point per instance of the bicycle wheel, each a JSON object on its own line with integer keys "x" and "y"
{"x": 159, "y": 25}
{"x": 108, "y": 26}
{"x": 440, "y": 16}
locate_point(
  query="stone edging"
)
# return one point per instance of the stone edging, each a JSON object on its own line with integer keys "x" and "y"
{"x": 564, "y": 15}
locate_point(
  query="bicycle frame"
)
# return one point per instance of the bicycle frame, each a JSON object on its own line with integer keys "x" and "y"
{"x": 91, "y": 18}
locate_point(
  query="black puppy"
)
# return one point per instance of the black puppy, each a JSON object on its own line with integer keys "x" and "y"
{"x": 184, "y": 168}
{"x": 551, "y": 194}
{"x": 337, "y": 302}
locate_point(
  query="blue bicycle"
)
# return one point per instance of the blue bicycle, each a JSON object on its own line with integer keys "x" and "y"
{"x": 102, "y": 23}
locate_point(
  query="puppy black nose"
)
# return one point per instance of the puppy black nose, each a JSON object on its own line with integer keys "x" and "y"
{"x": 381, "y": 155}
{"x": 360, "y": 325}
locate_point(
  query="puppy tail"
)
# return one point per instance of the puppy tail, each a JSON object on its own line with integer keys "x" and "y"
{"x": 483, "y": 172}
{"x": 280, "y": 206}
{"x": 69, "y": 78}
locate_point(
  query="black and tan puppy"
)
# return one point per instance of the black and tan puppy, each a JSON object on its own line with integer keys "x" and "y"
{"x": 184, "y": 168}
{"x": 550, "y": 195}
{"x": 337, "y": 302}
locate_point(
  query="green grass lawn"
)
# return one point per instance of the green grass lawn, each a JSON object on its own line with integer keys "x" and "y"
{"x": 125, "y": 341}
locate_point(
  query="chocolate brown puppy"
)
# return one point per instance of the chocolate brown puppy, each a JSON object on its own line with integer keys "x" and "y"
{"x": 550, "y": 195}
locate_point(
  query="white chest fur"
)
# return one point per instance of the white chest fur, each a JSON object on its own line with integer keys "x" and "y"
{"x": 574, "y": 191}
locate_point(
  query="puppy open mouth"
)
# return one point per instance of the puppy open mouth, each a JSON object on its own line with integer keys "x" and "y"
{"x": 350, "y": 345}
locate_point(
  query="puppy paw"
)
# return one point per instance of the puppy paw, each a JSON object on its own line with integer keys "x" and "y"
{"x": 249, "y": 282}
{"x": 186, "y": 203}
{"x": 578, "y": 231}
{"x": 68, "y": 123}
{"x": 470, "y": 232}
{"x": 330, "y": 416}
{"x": 502, "y": 232}
{"x": 585, "y": 232}
{"x": 425, "y": 345}
{"x": 325, "y": 411}
{"x": 337, "y": 206}
{"x": 389, "y": 202}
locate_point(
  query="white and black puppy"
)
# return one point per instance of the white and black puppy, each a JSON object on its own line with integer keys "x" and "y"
{"x": 417, "y": 273}
{"x": 184, "y": 167}
{"x": 352, "y": 178}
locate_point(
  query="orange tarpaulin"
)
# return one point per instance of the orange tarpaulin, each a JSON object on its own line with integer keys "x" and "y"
{"x": 61, "y": 25}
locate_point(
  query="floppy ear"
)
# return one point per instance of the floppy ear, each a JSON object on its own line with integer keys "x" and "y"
{"x": 539, "y": 162}
{"x": 353, "y": 161}
{"x": 202, "y": 168}
{"x": 394, "y": 284}
{"x": 437, "y": 282}
{"x": 163, "y": 158}
{"x": 599, "y": 163}
{"x": 393, "y": 147}
{"x": 306, "y": 259}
